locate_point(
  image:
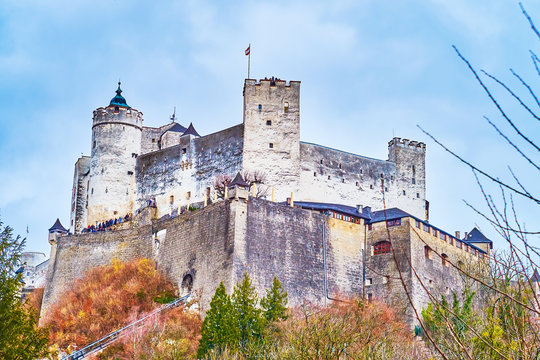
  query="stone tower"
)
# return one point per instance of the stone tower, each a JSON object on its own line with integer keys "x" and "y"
{"x": 410, "y": 159}
{"x": 272, "y": 133}
{"x": 116, "y": 143}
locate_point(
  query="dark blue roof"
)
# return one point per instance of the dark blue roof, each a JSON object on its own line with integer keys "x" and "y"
{"x": 119, "y": 100}
{"x": 536, "y": 276}
{"x": 191, "y": 131}
{"x": 177, "y": 128}
{"x": 475, "y": 236}
{"x": 348, "y": 210}
{"x": 58, "y": 226}
{"x": 391, "y": 214}
{"x": 238, "y": 181}
{"x": 373, "y": 217}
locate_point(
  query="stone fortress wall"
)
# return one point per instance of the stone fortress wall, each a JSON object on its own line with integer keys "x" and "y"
{"x": 131, "y": 164}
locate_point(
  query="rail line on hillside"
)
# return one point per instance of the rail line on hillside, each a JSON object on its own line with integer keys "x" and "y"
{"x": 105, "y": 341}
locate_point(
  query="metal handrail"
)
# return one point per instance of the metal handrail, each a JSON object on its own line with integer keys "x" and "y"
{"x": 112, "y": 337}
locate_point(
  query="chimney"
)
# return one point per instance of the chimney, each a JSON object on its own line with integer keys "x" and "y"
{"x": 466, "y": 235}
{"x": 359, "y": 209}
{"x": 458, "y": 235}
{"x": 367, "y": 211}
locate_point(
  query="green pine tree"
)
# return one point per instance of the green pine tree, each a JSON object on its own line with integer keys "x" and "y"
{"x": 249, "y": 316}
{"x": 20, "y": 337}
{"x": 275, "y": 302}
{"x": 219, "y": 328}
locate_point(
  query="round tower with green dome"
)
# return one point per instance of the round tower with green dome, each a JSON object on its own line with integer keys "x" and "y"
{"x": 116, "y": 143}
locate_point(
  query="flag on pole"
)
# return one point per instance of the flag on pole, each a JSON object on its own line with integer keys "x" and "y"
{"x": 247, "y": 50}
{"x": 27, "y": 229}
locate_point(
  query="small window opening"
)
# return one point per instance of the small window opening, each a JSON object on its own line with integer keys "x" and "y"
{"x": 413, "y": 181}
{"x": 188, "y": 195}
{"x": 361, "y": 171}
{"x": 369, "y": 281}
{"x": 343, "y": 181}
{"x": 382, "y": 175}
{"x": 357, "y": 183}
{"x": 370, "y": 296}
{"x": 340, "y": 166}
{"x": 445, "y": 261}
{"x": 133, "y": 155}
{"x": 428, "y": 253}
{"x": 385, "y": 189}
{"x": 314, "y": 173}
{"x": 404, "y": 192}
{"x": 371, "y": 187}
{"x": 187, "y": 284}
{"x": 328, "y": 177}
{"x": 184, "y": 150}
{"x": 271, "y": 145}
{"x": 321, "y": 161}
{"x": 413, "y": 169}
{"x": 269, "y": 122}
{"x": 286, "y": 107}
{"x": 260, "y": 107}
{"x": 153, "y": 141}
{"x": 171, "y": 199}
{"x": 115, "y": 212}
{"x": 94, "y": 144}
{"x": 106, "y": 190}
{"x": 116, "y": 108}
{"x": 430, "y": 283}
{"x": 418, "y": 195}
{"x": 130, "y": 172}
{"x": 92, "y": 193}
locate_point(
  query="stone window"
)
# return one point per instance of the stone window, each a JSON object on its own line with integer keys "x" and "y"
{"x": 418, "y": 195}
{"x": 404, "y": 193}
{"x": 357, "y": 183}
{"x": 382, "y": 175}
{"x": 94, "y": 144}
{"x": 314, "y": 173}
{"x": 369, "y": 281}
{"x": 430, "y": 283}
{"x": 171, "y": 199}
{"x": 428, "y": 253}
{"x": 458, "y": 244}
{"x": 418, "y": 224}
{"x": 271, "y": 145}
{"x": 385, "y": 189}
{"x": 413, "y": 181}
{"x": 340, "y": 166}
{"x": 382, "y": 247}
{"x": 361, "y": 171}
{"x": 343, "y": 180}
{"x": 413, "y": 169}
{"x": 371, "y": 187}
{"x": 286, "y": 107}
{"x": 260, "y": 107}
{"x": 184, "y": 150}
{"x": 116, "y": 109}
{"x": 269, "y": 122}
{"x": 188, "y": 195}
{"x": 445, "y": 261}
{"x": 435, "y": 232}
{"x": 130, "y": 172}
{"x": 92, "y": 192}
{"x": 321, "y": 161}
{"x": 328, "y": 177}
{"x": 370, "y": 227}
{"x": 392, "y": 177}
{"x": 133, "y": 155}
{"x": 450, "y": 240}
{"x": 153, "y": 141}
{"x": 395, "y": 222}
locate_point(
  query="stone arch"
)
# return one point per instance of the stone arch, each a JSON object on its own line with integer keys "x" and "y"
{"x": 187, "y": 284}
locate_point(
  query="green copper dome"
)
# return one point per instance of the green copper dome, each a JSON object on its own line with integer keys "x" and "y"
{"x": 119, "y": 100}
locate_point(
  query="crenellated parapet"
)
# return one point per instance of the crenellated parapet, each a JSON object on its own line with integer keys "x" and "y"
{"x": 406, "y": 143}
{"x": 119, "y": 115}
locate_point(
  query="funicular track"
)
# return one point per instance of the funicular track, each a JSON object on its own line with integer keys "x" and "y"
{"x": 105, "y": 341}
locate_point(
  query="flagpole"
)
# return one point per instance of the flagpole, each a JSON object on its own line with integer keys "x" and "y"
{"x": 249, "y": 59}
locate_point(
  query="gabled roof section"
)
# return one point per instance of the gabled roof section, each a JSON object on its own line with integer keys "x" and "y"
{"x": 344, "y": 209}
{"x": 536, "y": 276}
{"x": 391, "y": 214}
{"x": 58, "y": 226}
{"x": 191, "y": 131}
{"x": 176, "y": 128}
{"x": 238, "y": 181}
{"x": 475, "y": 236}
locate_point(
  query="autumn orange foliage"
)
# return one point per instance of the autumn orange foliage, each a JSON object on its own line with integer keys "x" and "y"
{"x": 34, "y": 300}
{"x": 104, "y": 300}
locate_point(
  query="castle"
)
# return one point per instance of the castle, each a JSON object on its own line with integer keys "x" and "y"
{"x": 131, "y": 164}
{"x": 313, "y": 228}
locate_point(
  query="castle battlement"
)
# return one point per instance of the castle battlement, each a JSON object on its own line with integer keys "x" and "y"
{"x": 406, "y": 143}
{"x": 272, "y": 82}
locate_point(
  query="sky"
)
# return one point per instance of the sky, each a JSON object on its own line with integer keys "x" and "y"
{"x": 370, "y": 70}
